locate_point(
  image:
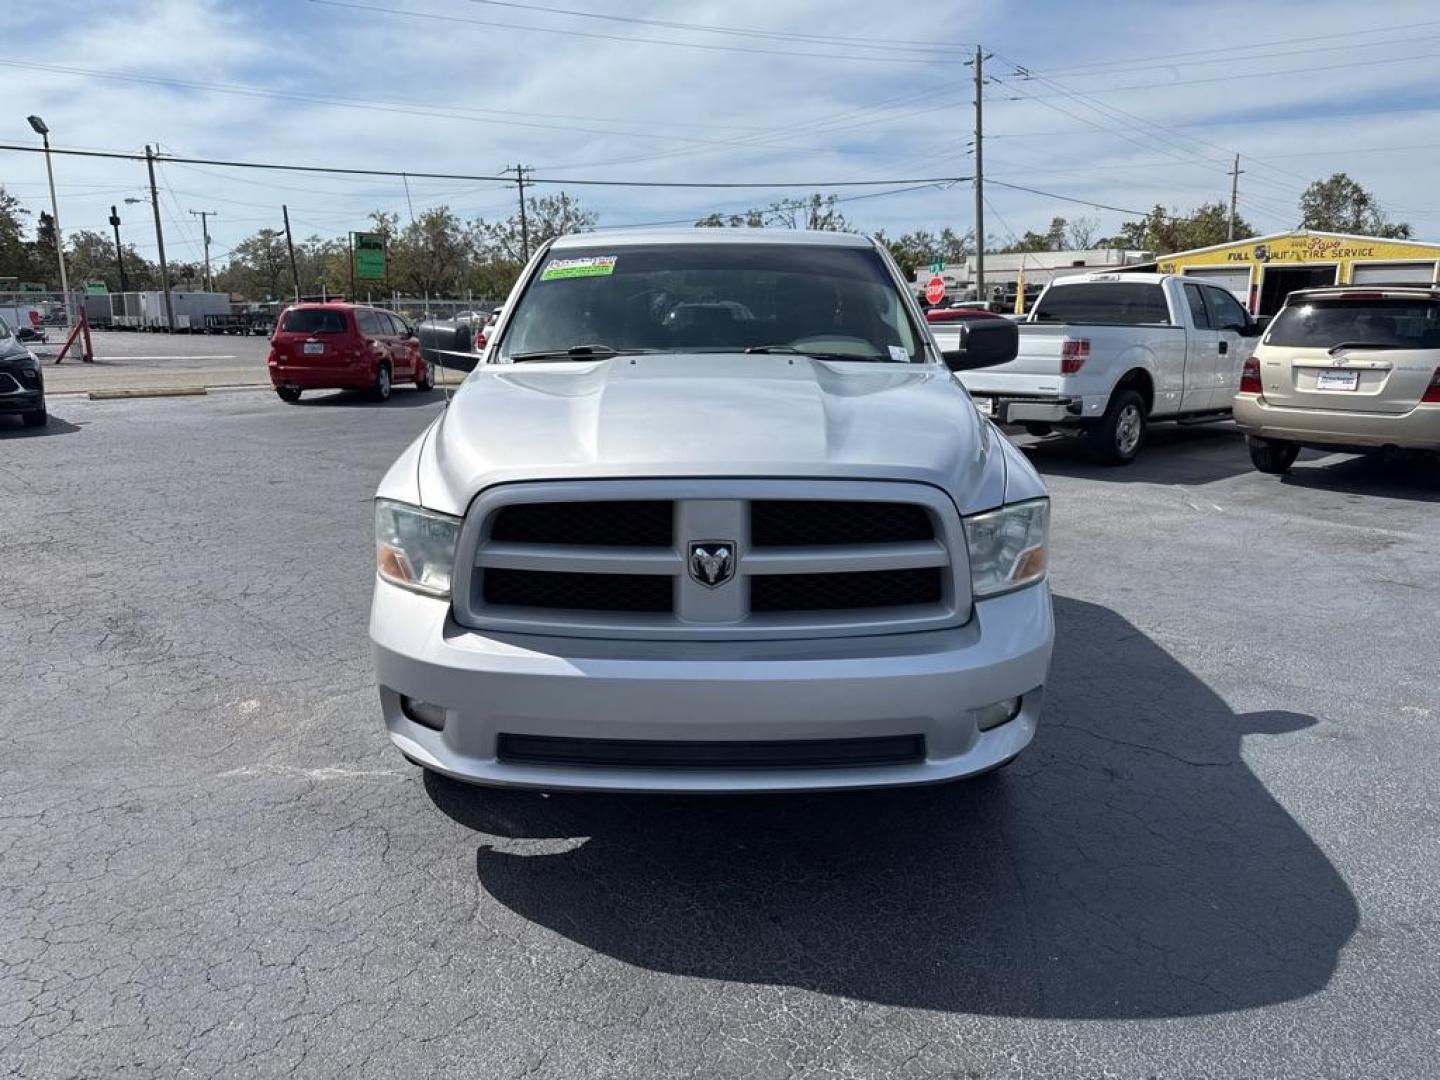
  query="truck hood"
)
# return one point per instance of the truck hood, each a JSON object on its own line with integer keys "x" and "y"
{"x": 709, "y": 415}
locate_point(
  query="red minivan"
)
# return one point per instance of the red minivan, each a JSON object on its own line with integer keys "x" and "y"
{"x": 338, "y": 346}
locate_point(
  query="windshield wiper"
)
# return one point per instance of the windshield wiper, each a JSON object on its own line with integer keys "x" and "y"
{"x": 814, "y": 354}
{"x": 574, "y": 352}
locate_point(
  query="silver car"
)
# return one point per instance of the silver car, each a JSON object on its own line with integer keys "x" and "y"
{"x": 1354, "y": 369}
{"x": 713, "y": 515}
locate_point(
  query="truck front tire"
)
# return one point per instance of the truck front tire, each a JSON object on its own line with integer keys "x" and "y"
{"x": 1117, "y": 436}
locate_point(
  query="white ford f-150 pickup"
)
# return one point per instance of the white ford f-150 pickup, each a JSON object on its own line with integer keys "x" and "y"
{"x": 713, "y": 513}
{"x": 1109, "y": 353}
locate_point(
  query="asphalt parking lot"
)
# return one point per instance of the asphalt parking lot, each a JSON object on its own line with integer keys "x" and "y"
{"x": 1217, "y": 860}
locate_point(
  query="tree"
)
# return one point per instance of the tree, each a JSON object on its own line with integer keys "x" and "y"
{"x": 546, "y": 218}
{"x": 1339, "y": 204}
{"x": 1162, "y": 233}
{"x": 431, "y": 254}
{"x": 922, "y": 247}
{"x": 1081, "y": 232}
{"x": 16, "y": 254}
{"x": 259, "y": 267}
{"x": 90, "y": 256}
{"x": 324, "y": 266}
{"x": 817, "y": 213}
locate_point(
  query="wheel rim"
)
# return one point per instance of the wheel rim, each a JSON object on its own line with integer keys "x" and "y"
{"x": 1127, "y": 430}
{"x": 384, "y": 382}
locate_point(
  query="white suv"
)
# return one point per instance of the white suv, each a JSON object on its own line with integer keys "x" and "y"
{"x": 714, "y": 515}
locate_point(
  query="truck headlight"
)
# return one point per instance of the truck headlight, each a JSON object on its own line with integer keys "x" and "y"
{"x": 1008, "y": 547}
{"x": 415, "y": 548}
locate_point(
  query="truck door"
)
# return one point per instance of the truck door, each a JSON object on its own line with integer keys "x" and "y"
{"x": 1202, "y": 354}
{"x": 1234, "y": 347}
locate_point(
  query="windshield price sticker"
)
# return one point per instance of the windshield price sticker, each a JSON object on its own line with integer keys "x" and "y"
{"x": 594, "y": 266}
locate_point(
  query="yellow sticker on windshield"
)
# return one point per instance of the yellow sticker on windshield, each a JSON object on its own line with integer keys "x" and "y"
{"x": 592, "y": 266}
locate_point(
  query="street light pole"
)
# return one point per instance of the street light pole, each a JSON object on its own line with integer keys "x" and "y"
{"x": 39, "y": 127}
{"x": 119, "y": 253}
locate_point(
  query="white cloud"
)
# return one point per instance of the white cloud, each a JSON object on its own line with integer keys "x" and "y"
{"x": 635, "y": 110}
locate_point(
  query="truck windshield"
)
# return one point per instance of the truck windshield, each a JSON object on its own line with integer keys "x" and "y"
{"x": 1398, "y": 323}
{"x": 1119, "y": 303}
{"x": 838, "y": 302}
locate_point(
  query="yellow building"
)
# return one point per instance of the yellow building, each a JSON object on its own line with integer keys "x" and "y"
{"x": 1262, "y": 270}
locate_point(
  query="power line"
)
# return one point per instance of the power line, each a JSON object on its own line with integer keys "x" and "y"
{"x": 1231, "y": 49}
{"x": 1233, "y": 59}
{"x": 869, "y": 43}
{"x": 788, "y": 54}
{"x": 1067, "y": 198}
{"x": 338, "y": 170}
{"x": 1270, "y": 74}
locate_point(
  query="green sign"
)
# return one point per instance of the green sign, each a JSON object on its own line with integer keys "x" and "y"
{"x": 369, "y": 256}
{"x": 936, "y": 267}
{"x": 96, "y": 288}
{"x": 33, "y": 286}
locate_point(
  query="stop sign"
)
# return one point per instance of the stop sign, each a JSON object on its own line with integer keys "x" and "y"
{"x": 935, "y": 290}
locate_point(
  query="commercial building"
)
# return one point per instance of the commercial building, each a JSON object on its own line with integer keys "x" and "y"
{"x": 1262, "y": 270}
{"x": 1005, "y": 270}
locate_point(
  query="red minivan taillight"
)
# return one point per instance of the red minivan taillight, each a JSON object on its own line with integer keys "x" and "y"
{"x": 1250, "y": 377}
{"x": 1073, "y": 354}
{"x": 1432, "y": 392}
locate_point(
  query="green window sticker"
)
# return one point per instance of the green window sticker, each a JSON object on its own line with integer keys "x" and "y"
{"x": 593, "y": 266}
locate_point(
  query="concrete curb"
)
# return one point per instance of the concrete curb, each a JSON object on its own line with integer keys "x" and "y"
{"x": 172, "y": 391}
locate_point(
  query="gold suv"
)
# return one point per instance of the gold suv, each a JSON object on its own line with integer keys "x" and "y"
{"x": 1352, "y": 369}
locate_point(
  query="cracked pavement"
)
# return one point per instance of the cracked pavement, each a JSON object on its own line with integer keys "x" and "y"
{"x": 1217, "y": 860}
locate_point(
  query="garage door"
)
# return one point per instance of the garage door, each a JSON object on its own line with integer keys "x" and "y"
{"x": 1407, "y": 273}
{"x": 1236, "y": 280}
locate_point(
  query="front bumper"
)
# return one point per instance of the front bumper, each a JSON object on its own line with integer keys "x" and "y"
{"x": 1418, "y": 429}
{"x": 21, "y": 391}
{"x": 753, "y": 691}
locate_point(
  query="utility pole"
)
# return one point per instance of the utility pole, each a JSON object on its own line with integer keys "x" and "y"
{"x": 160, "y": 242}
{"x": 520, "y": 171}
{"x": 980, "y": 293}
{"x": 1234, "y": 193}
{"x": 290, "y": 245}
{"x": 204, "y": 216}
{"x": 119, "y": 254}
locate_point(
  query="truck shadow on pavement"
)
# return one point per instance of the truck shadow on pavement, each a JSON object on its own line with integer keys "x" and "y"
{"x": 1172, "y": 454}
{"x": 1129, "y": 865}
{"x": 12, "y": 427}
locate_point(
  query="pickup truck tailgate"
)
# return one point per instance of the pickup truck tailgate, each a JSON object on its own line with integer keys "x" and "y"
{"x": 1034, "y": 371}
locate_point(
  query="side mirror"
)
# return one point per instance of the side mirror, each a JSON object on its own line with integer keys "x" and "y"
{"x": 983, "y": 343}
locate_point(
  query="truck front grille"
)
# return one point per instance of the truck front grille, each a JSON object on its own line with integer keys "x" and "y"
{"x": 579, "y": 592}
{"x": 621, "y": 523}
{"x": 838, "y": 592}
{"x": 802, "y": 523}
{"x": 780, "y": 559}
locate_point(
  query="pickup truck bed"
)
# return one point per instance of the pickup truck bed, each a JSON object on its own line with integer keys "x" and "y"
{"x": 1111, "y": 353}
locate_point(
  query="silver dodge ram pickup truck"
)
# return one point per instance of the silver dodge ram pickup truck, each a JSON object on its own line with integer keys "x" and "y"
{"x": 713, "y": 514}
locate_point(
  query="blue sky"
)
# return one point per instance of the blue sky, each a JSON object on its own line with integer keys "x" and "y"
{"x": 1124, "y": 104}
